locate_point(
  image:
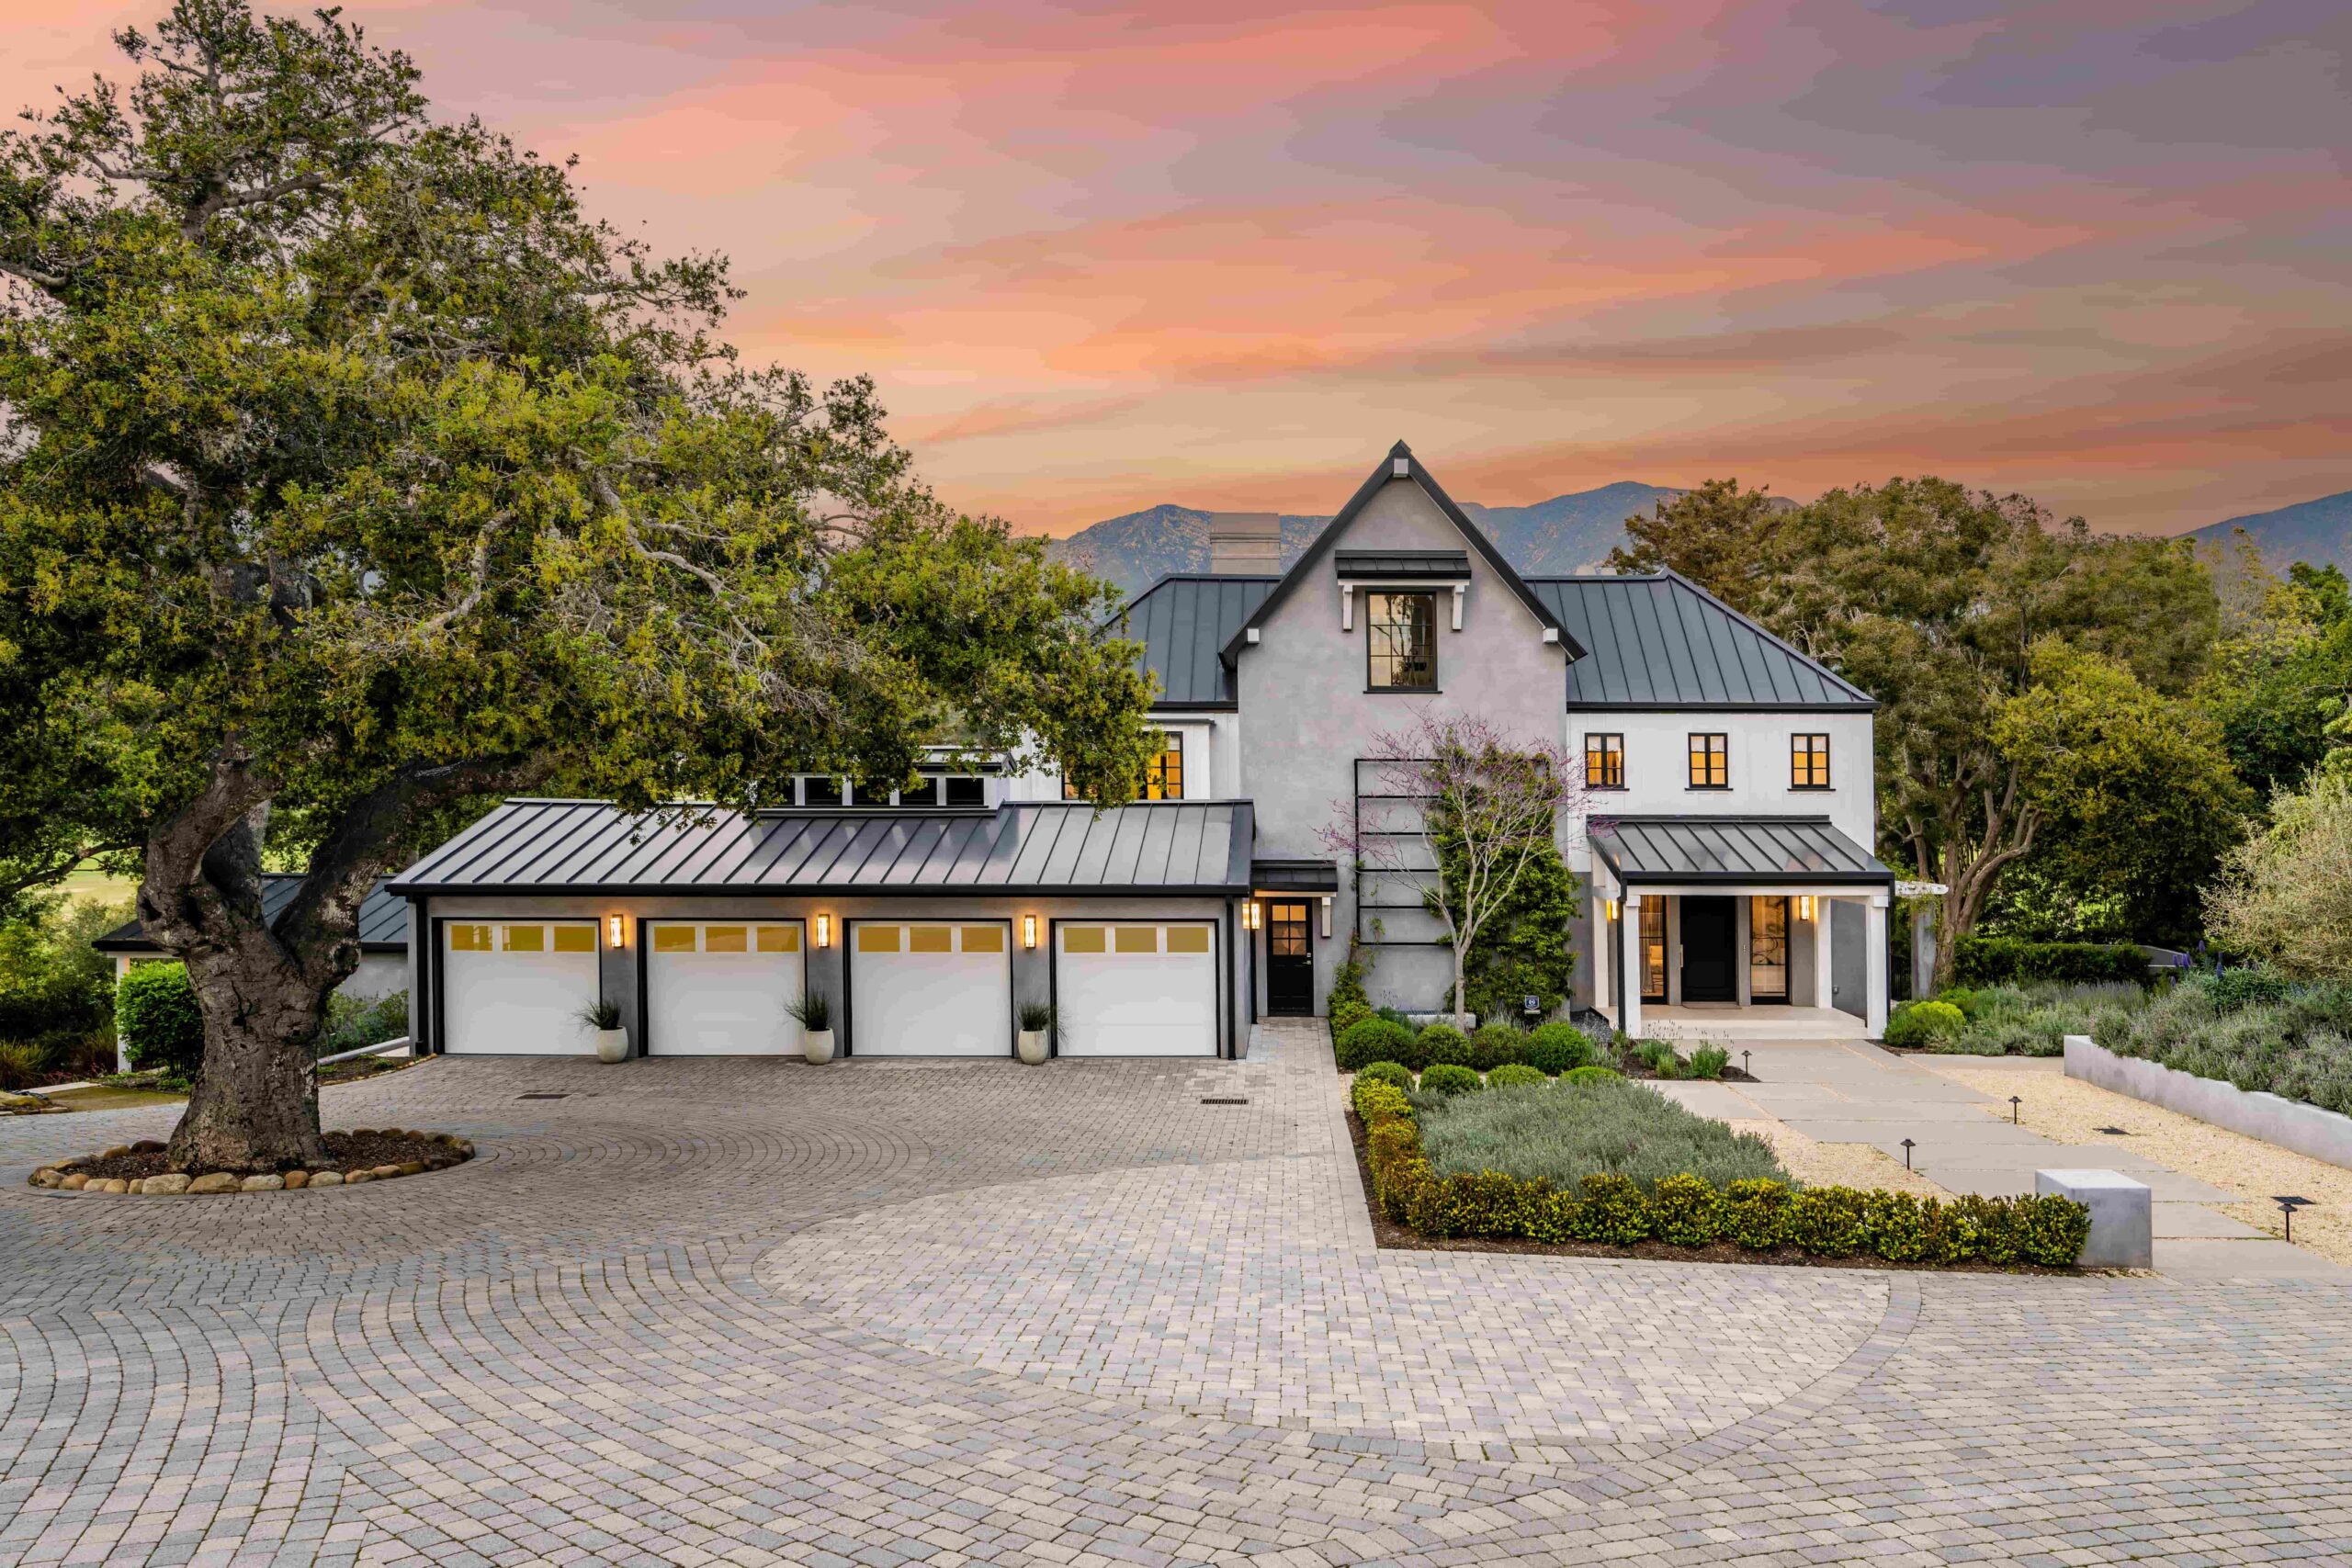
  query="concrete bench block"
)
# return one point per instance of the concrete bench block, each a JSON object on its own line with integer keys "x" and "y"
{"x": 2123, "y": 1215}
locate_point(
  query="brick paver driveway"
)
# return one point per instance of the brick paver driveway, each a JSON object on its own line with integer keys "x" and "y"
{"x": 878, "y": 1312}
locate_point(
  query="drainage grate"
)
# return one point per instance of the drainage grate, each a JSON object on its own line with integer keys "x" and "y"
{"x": 543, "y": 1094}
{"x": 1223, "y": 1100}
{"x": 2112, "y": 1132}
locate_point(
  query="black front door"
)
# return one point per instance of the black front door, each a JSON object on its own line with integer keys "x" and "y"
{"x": 1290, "y": 962}
{"x": 1707, "y": 957}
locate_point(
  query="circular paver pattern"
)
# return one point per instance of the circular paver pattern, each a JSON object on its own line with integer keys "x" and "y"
{"x": 752, "y": 1311}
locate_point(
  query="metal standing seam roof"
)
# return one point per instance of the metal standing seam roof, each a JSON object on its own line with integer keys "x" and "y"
{"x": 1184, "y": 623}
{"x": 1030, "y": 847}
{"x": 1663, "y": 642}
{"x": 383, "y": 918}
{"x": 1708, "y": 849}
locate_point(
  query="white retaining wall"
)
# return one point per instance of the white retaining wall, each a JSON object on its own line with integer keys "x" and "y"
{"x": 2290, "y": 1124}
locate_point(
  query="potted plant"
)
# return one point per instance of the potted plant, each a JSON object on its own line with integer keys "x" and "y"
{"x": 814, "y": 1015}
{"x": 603, "y": 1018}
{"x": 1036, "y": 1032}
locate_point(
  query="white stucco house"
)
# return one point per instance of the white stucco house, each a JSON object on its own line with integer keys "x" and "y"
{"x": 1722, "y": 840}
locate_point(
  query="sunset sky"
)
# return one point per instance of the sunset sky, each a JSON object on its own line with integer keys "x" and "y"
{"x": 1101, "y": 256}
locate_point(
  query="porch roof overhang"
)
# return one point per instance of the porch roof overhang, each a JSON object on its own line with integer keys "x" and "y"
{"x": 1805, "y": 850}
{"x": 1312, "y": 877}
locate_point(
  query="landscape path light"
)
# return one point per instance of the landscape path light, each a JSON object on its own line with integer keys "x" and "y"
{"x": 1908, "y": 1146}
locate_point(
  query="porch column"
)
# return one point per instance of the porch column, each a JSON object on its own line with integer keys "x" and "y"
{"x": 1823, "y": 996}
{"x": 1603, "y": 956}
{"x": 1629, "y": 940}
{"x": 1874, "y": 966}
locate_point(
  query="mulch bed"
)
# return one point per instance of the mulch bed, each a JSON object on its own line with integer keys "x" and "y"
{"x": 362, "y": 1148}
{"x": 1393, "y": 1236}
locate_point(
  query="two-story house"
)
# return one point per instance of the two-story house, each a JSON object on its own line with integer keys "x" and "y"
{"x": 1721, "y": 835}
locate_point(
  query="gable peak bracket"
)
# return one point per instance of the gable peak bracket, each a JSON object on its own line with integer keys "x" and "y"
{"x": 1400, "y": 467}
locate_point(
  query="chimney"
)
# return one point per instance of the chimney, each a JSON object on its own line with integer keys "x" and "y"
{"x": 1246, "y": 544}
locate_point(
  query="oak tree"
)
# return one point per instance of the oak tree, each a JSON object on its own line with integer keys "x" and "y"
{"x": 353, "y": 474}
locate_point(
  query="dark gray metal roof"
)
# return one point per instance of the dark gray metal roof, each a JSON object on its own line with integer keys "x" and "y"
{"x": 1295, "y": 875}
{"x": 383, "y": 918}
{"x": 549, "y": 846}
{"x": 1443, "y": 566}
{"x": 1184, "y": 624}
{"x": 1663, "y": 642}
{"x": 1728, "y": 848}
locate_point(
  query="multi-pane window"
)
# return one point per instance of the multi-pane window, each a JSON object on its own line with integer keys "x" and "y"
{"x": 820, "y": 792}
{"x": 1604, "y": 762}
{"x": 965, "y": 789}
{"x": 1710, "y": 761}
{"x": 1400, "y": 630}
{"x": 1808, "y": 762}
{"x": 1163, "y": 777}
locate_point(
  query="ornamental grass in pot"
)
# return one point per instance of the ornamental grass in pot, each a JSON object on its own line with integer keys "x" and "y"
{"x": 814, "y": 1015}
{"x": 1036, "y": 1032}
{"x": 604, "y": 1021}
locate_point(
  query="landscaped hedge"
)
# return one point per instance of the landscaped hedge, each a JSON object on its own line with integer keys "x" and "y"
{"x": 162, "y": 1025}
{"x": 1991, "y": 960}
{"x": 1686, "y": 1211}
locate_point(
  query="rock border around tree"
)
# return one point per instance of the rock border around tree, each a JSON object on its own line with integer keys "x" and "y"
{"x": 356, "y": 1160}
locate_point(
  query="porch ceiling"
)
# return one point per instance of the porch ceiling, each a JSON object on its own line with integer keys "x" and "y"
{"x": 1731, "y": 850}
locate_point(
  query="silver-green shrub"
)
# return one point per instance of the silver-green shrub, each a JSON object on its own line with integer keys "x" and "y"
{"x": 1562, "y": 1133}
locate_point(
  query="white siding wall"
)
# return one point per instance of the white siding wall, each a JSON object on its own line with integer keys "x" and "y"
{"x": 1658, "y": 775}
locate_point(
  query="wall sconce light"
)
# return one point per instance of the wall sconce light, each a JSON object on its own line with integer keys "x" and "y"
{"x": 1249, "y": 916}
{"x": 1612, "y": 910}
{"x": 1805, "y": 906}
{"x": 824, "y": 930}
{"x": 1326, "y": 917}
{"x": 617, "y": 927}
{"x": 1028, "y": 930}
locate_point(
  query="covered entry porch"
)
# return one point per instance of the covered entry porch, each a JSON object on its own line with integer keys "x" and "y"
{"x": 1763, "y": 927}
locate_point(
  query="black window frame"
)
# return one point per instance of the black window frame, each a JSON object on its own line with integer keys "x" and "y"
{"x": 1373, "y": 623}
{"x": 1612, "y": 748}
{"x": 971, "y": 784}
{"x": 1801, "y": 763}
{"x": 1718, "y": 756}
{"x": 811, "y": 783}
{"x": 1158, "y": 771}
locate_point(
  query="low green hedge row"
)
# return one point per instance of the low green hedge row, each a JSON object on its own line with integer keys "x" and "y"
{"x": 1992, "y": 960}
{"x": 1686, "y": 1211}
{"x": 1550, "y": 1048}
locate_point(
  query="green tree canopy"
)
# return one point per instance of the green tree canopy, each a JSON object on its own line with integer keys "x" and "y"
{"x": 2134, "y": 794}
{"x": 2281, "y": 673}
{"x": 353, "y": 474}
{"x": 1931, "y": 598}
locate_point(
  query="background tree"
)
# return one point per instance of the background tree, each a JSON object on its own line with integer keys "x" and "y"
{"x": 1931, "y": 598}
{"x": 1484, "y": 823}
{"x": 1718, "y": 534}
{"x": 355, "y": 475}
{"x": 2135, "y": 796}
{"x": 2286, "y": 894}
{"x": 2282, "y": 672}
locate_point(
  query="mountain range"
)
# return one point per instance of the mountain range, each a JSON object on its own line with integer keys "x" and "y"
{"x": 1576, "y": 532}
{"x": 1567, "y": 533}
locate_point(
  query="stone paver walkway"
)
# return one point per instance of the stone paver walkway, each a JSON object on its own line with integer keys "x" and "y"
{"x": 707, "y": 1311}
{"x": 1853, "y": 1092}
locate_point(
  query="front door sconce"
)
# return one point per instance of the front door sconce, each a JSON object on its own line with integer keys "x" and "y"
{"x": 1611, "y": 906}
{"x": 1805, "y": 906}
{"x": 824, "y": 930}
{"x": 1249, "y": 916}
{"x": 617, "y": 928}
{"x": 1028, "y": 930}
{"x": 1326, "y": 917}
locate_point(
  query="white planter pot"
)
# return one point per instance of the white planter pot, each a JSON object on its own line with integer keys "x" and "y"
{"x": 1032, "y": 1046}
{"x": 612, "y": 1044}
{"x": 817, "y": 1044}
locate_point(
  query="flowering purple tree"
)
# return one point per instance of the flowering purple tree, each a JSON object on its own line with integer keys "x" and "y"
{"x": 1468, "y": 808}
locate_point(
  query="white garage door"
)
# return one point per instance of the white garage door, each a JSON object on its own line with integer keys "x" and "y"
{"x": 720, "y": 987}
{"x": 930, "y": 989}
{"x": 1134, "y": 988}
{"x": 517, "y": 987}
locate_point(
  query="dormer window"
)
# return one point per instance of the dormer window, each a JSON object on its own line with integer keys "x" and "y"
{"x": 1400, "y": 637}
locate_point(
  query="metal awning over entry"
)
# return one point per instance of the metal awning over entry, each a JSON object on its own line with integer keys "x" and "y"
{"x": 1731, "y": 850}
{"x": 1310, "y": 876}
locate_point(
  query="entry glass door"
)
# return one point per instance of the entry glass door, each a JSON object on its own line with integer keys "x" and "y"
{"x": 1290, "y": 962}
{"x": 1708, "y": 931}
{"x": 1767, "y": 950}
